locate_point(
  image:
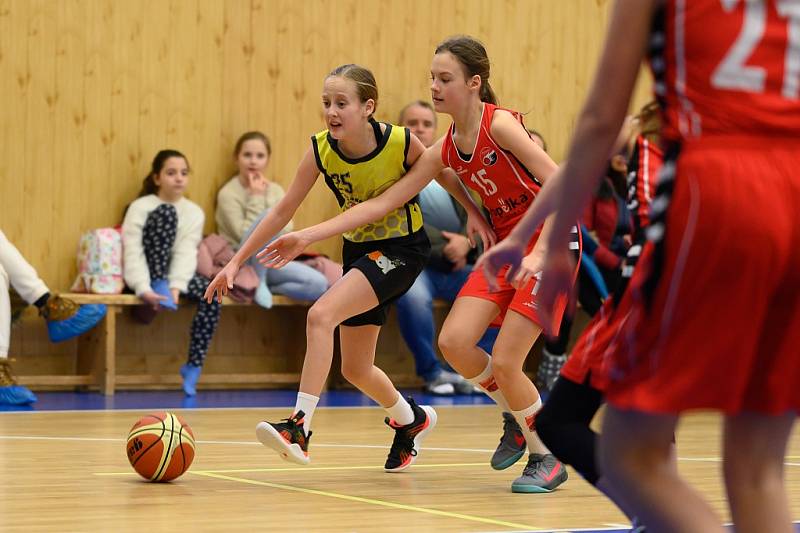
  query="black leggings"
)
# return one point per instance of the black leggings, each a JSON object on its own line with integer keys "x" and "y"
{"x": 158, "y": 238}
{"x": 563, "y": 425}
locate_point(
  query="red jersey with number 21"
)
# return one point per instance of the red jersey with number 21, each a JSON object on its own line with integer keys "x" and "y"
{"x": 728, "y": 67}
{"x": 506, "y": 187}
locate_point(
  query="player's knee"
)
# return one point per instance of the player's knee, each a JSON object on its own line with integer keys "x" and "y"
{"x": 622, "y": 459}
{"x": 355, "y": 372}
{"x": 752, "y": 473}
{"x": 319, "y": 318}
{"x": 505, "y": 369}
{"x": 451, "y": 342}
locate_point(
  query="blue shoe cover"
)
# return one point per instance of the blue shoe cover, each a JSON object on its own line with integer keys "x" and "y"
{"x": 190, "y": 375}
{"x": 161, "y": 287}
{"x": 16, "y": 395}
{"x": 83, "y": 320}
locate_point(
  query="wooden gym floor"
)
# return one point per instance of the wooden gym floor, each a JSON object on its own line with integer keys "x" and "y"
{"x": 67, "y": 471}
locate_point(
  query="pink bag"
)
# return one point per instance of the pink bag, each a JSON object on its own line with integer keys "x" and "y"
{"x": 100, "y": 262}
{"x": 213, "y": 254}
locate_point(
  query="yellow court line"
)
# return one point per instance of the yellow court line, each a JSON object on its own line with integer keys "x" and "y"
{"x": 371, "y": 501}
{"x": 300, "y": 469}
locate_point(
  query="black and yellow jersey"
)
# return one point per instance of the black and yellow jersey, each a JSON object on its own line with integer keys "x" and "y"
{"x": 356, "y": 180}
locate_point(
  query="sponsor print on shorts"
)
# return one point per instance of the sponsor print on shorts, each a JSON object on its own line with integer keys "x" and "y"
{"x": 532, "y": 303}
{"x": 384, "y": 263}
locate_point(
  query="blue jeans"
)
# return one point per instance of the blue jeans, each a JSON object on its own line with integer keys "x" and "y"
{"x": 415, "y": 315}
{"x": 297, "y": 280}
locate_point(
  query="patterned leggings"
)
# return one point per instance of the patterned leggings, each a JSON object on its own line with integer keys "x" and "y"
{"x": 158, "y": 237}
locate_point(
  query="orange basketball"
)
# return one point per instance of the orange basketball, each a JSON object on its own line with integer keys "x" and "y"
{"x": 160, "y": 446}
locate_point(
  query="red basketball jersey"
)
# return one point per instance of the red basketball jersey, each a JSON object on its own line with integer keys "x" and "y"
{"x": 506, "y": 187}
{"x": 643, "y": 167}
{"x": 727, "y": 67}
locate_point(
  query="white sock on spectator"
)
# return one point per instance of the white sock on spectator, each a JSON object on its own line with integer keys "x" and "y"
{"x": 306, "y": 403}
{"x": 485, "y": 381}
{"x": 401, "y": 411}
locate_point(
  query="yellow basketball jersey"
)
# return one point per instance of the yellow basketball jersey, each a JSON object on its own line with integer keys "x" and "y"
{"x": 356, "y": 180}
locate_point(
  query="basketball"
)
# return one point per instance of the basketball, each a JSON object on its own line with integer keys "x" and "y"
{"x": 160, "y": 446}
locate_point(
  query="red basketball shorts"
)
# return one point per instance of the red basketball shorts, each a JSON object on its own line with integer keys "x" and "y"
{"x": 594, "y": 349}
{"x": 522, "y": 300}
{"x": 715, "y": 312}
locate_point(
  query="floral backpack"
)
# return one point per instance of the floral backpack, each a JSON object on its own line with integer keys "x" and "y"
{"x": 100, "y": 262}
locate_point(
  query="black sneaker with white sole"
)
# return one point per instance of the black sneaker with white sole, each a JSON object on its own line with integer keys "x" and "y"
{"x": 408, "y": 438}
{"x": 288, "y": 438}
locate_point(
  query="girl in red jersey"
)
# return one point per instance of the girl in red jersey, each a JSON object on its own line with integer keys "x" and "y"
{"x": 715, "y": 311}
{"x": 489, "y": 149}
{"x": 564, "y": 422}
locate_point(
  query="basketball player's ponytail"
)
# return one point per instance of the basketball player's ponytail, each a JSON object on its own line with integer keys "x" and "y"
{"x": 487, "y": 93}
{"x": 471, "y": 53}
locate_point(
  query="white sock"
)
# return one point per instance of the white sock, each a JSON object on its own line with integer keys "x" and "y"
{"x": 525, "y": 419}
{"x": 401, "y": 411}
{"x": 485, "y": 381}
{"x": 306, "y": 403}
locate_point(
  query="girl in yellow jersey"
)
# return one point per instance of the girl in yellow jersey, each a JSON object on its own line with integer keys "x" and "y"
{"x": 359, "y": 159}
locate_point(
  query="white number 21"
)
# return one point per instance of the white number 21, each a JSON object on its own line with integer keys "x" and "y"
{"x": 733, "y": 73}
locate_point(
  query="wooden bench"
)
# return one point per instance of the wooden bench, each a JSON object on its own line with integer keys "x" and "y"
{"x": 97, "y": 351}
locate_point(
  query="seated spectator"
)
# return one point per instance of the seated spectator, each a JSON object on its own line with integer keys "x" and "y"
{"x": 65, "y": 319}
{"x": 160, "y": 234}
{"x": 448, "y": 267}
{"x": 241, "y": 204}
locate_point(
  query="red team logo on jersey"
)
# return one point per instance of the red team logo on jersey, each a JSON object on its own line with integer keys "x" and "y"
{"x": 488, "y": 156}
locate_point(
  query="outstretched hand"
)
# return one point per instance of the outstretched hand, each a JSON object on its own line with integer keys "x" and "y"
{"x": 507, "y": 252}
{"x": 282, "y": 250}
{"x": 222, "y": 283}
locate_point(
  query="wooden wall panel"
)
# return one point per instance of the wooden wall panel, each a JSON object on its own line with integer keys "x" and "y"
{"x": 93, "y": 88}
{"x": 97, "y": 87}
{"x": 70, "y": 121}
{"x": 13, "y": 86}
